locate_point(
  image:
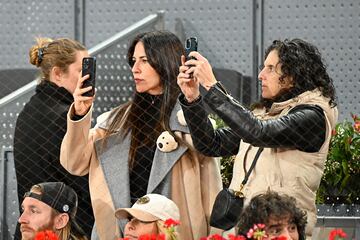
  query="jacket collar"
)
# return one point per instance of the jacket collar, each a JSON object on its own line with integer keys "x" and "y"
{"x": 278, "y": 107}
{"x": 54, "y": 91}
{"x": 174, "y": 122}
{"x": 103, "y": 120}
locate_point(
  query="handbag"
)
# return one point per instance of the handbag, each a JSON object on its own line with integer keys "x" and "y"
{"x": 229, "y": 203}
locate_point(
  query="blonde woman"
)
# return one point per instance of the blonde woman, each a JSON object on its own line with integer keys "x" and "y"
{"x": 148, "y": 216}
{"x": 41, "y": 124}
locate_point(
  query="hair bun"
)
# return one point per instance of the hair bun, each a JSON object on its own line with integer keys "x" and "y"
{"x": 34, "y": 56}
{"x": 36, "y": 52}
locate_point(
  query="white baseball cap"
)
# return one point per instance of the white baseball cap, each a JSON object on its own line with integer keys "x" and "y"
{"x": 150, "y": 208}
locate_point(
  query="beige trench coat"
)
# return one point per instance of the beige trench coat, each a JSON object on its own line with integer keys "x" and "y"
{"x": 195, "y": 181}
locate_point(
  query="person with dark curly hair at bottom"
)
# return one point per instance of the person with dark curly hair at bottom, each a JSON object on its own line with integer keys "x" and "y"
{"x": 292, "y": 123}
{"x": 279, "y": 214}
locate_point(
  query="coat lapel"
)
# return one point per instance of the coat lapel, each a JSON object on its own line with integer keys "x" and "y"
{"x": 114, "y": 163}
{"x": 163, "y": 162}
{"x": 174, "y": 122}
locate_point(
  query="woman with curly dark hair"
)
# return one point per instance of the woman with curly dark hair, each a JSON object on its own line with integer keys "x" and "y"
{"x": 279, "y": 214}
{"x": 292, "y": 122}
{"x": 302, "y": 61}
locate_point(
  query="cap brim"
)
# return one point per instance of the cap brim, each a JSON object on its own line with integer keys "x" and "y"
{"x": 124, "y": 213}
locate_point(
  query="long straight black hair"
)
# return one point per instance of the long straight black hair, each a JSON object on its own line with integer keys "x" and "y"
{"x": 163, "y": 51}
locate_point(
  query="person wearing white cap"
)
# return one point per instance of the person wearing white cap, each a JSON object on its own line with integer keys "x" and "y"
{"x": 148, "y": 215}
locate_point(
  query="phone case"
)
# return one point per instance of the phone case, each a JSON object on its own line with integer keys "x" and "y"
{"x": 89, "y": 67}
{"x": 191, "y": 44}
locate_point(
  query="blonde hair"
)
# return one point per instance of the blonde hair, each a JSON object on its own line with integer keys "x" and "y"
{"x": 65, "y": 233}
{"x": 48, "y": 53}
{"x": 169, "y": 235}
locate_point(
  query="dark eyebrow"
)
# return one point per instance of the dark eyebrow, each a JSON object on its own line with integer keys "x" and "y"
{"x": 269, "y": 65}
{"x": 141, "y": 57}
{"x": 33, "y": 207}
{"x": 275, "y": 225}
{"x": 272, "y": 65}
{"x": 30, "y": 207}
{"x": 292, "y": 221}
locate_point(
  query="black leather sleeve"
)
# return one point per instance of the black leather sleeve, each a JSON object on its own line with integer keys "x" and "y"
{"x": 303, "y": 128}
{"x": 210, "y": 142}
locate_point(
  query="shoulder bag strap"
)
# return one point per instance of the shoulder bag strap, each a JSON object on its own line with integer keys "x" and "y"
{"x": 239, "y": 193}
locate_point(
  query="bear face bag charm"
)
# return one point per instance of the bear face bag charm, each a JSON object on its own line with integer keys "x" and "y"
{"x": 166, "y": 142}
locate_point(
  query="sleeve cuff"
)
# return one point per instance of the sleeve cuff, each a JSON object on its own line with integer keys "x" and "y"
{"x": 184, "y": 102}
{"x": 76, "y": 117}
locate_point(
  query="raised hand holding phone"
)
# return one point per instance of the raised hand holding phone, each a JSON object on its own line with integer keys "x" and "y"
{"x": 200, "y": 70}
{"x": 188, "y": 85}
{"x": 85, "y": 88}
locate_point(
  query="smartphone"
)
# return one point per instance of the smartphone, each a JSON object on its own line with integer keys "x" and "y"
{"x": 191, "y": 45}
{"x": 89, "y": 67}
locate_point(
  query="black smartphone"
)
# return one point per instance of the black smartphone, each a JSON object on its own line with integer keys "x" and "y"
{"x": 89, "y": 67}
{"x": 191, "y": 44}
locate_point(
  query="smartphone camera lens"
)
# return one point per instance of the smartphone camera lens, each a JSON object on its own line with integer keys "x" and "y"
{"x": 188, "y": 44}
{"x": 86, "y": 63}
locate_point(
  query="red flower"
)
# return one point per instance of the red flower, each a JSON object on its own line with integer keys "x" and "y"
{"x": 215, "y": 237}
{"x": 279, "y": 238}
{"x": 250, "y": 233}
{"x": 261, "y": 225}
{"x": 357, "y": 126}
{"x": 233, "y": 237}
{"x": 354, "y": 117}
{"x": 152, "y": 237}
{"x": 337, "y": 232}
{"x": 171, "y": 223}
{"x": 257, "y": 232}
{"x": 46, "y": 235}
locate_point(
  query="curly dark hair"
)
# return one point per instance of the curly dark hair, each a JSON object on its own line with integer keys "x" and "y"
{"x": 303, "y": 62}
{"x": 272, "y": 204}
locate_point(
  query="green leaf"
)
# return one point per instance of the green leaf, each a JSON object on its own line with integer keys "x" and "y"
{"x": 345, "y": 167}
{"x": 344, "y": 182}
{"x": 337, "y": 179}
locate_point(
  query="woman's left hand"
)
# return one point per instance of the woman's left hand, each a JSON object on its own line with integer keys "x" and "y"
{"x": 188, "y": 85}
{"x": 201, "y": 70}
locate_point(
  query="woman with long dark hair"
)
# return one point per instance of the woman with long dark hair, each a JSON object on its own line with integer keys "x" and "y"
{"x": 121, "y": 154}
{"x": 292, "y": 122}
